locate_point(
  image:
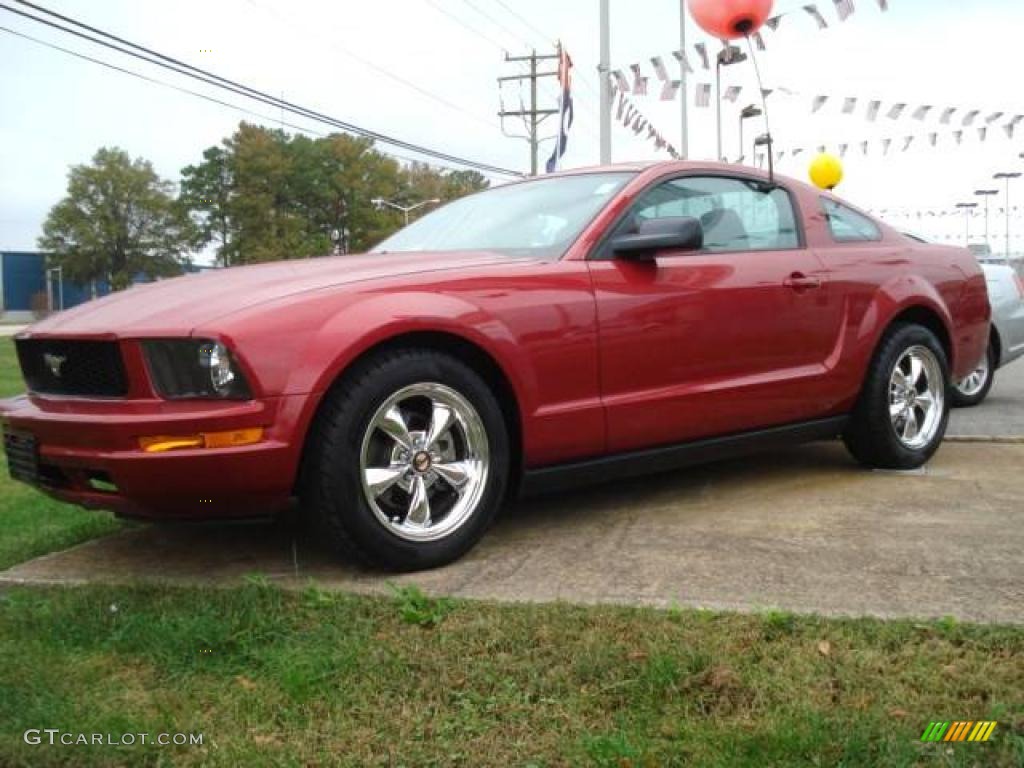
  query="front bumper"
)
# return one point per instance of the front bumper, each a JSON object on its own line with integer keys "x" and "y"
{"x": 87, "y": 453}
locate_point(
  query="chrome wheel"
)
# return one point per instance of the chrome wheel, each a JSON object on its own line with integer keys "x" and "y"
{"x": 976, "y": 382}
{"x": 917, "y": 395}
{"x": 424, "y": 462}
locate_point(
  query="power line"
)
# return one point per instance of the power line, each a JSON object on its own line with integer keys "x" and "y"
{"x": 525, "y": 23}
{"x": 496, "y": 23}
{"x": 377, "y": 68}
{"x": 189, "y": 92}
{"x": 466, "y": 25}
{"x": 217, "y": 81}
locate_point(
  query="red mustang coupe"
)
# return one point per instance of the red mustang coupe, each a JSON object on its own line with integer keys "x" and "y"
{"x": 579, "y": 326}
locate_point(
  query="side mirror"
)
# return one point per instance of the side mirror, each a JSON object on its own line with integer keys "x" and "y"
{"x": 677, "y": 233}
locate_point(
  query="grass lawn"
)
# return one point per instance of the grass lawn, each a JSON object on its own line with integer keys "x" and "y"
{"x": 315, "y": 678}
{"x": 31, "y": 523}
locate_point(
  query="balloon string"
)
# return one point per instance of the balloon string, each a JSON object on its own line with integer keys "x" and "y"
{"x": 764, "y": 108}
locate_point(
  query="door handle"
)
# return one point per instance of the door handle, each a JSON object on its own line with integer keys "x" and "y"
{"x": 800, "y": 282}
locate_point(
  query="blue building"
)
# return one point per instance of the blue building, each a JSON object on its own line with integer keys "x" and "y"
{"x": 23, "y": 287}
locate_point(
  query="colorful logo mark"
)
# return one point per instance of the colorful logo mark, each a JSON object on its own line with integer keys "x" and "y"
{"x": 961, "y": 730}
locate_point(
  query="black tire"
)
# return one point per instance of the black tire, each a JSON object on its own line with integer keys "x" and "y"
{"x": 871, "y": 435}
{"x": 332, "y": 485}
{"x": 963, "y": 400}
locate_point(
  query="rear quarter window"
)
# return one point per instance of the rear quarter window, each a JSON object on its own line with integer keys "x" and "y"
{"x": 848, "y": 226}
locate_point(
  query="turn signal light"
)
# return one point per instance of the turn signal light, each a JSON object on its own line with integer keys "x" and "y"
{"x": 230, "y": 439}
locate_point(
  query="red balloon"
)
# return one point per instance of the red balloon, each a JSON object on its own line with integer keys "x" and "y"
{"x": 729, "y": 19}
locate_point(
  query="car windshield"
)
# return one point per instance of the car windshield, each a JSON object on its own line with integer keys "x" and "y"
{"x": 539, "y": 218}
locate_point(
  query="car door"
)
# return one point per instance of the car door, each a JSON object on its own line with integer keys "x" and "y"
{"x": 730, "y": 338}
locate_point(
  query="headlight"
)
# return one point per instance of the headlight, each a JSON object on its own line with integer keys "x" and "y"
{"x": 183, "y": 368}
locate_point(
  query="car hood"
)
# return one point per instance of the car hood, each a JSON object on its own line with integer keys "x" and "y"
{"x": 179, "y": 304}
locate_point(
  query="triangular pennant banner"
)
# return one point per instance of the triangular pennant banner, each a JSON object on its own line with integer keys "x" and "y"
{"x": 683, "y": 60}
{"x": 816, "y": 15}
{"x": 702, "y": 51}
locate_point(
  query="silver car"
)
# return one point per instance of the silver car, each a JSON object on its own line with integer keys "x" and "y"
{"x": 1006, "y": 295}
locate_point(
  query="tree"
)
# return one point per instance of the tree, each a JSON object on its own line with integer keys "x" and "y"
{"x": 206, "y": 189}
{"x": 265, "y": 195}
{"x": 119, "y": 219}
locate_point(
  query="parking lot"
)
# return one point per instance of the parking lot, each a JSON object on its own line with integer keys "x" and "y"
{"x": 803, "y": 530}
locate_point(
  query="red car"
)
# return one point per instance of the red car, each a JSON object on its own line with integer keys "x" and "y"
{"x": 576, "y": 327}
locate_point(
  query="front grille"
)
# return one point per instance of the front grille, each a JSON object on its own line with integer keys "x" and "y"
{"x": 84, "y": 368}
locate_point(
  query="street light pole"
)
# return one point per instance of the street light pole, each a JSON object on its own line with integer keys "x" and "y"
{"x": 987, "y": 193}
{"x": 606, "y": 87}
{"x": 405, "y": 209}
{"x": 968, "y": 209}
{"x": 684, "y": 138}
{"x": 751, "y": 110}
{"x": 1009, "y": 177}
{"x": 728, "y": 55}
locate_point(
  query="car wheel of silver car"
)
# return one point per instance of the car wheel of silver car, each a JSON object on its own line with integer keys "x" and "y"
{"x": 901, "y": 415}
{"x": 975, "y": 388}
{"x": 408, "y": 461}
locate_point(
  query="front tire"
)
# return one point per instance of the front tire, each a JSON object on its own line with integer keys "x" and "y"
{"x": 408, "y": 463}
{"x": 975, "y": 388}
{"x": 902, "y": 413}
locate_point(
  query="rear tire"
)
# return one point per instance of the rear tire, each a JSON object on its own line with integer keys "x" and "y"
{"x": 974, "y": 389}
{"x": 408, "y": 462}
{"x": 901, "y": 416}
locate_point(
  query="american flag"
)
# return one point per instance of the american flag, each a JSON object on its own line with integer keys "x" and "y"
{"x": 849, "y": 105}
{"x": 947, "y": 115}
{"x": 873, "y": 108}
{"x": 922, "y": 112}
{"x": 670, "y": 89}
{"x": 565, "y": 111}
{"x": 818, "y": 103}
{"x": 896, "y": 111}
{"x": 732, "y": 92}
{"x": 969, "y": 117}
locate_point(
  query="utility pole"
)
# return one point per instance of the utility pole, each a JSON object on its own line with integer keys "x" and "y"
{"x": 606, "y": 87}
{"x": 533, "y": 116}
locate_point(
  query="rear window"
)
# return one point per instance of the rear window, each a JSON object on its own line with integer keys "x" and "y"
{"x": 848, "y": 226}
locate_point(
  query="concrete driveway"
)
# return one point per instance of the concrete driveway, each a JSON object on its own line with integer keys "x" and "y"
{"x": 802, "y": 530}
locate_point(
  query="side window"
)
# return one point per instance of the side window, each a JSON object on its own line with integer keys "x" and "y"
{"x": 736, "y": 214}
{"x": 848, "y": 226}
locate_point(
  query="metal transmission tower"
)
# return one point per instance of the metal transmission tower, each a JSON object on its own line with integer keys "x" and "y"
{"x": 533, "y": 116}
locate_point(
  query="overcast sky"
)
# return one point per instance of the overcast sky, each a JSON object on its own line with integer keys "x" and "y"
{"x": 425, "y": 71}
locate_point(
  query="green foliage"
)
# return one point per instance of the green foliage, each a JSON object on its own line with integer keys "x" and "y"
{"x": 119, "y": 218}
{"x": 416, "y": 608}
{"x": 275, "y": 677}
{"x": 265, "y": 195}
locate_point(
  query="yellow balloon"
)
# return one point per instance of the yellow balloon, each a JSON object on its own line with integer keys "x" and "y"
{"x": 826, "y": 171}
